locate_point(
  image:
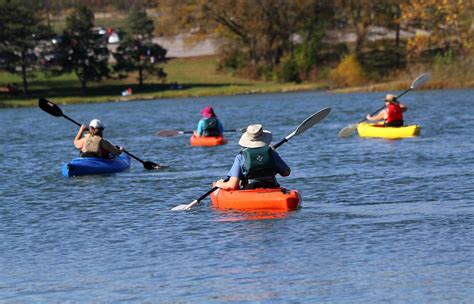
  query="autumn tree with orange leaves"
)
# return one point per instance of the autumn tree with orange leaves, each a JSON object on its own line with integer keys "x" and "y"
{"x": 446, "y": 24}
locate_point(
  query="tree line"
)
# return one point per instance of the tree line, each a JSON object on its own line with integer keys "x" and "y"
{"x": 286, "y": 40}
{"x": 25, "y": 42}
{"x": 291, "y": 39}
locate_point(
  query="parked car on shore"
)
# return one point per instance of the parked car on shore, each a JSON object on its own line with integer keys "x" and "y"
{"x": 109, "y": 35}
{"x": 114, "y": 38}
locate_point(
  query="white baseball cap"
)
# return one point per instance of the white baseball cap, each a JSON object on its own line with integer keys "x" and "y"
{"x": 96, "y": 124}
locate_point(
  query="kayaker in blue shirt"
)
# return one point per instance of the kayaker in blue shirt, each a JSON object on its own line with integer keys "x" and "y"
{"x": 209, "y": 125}
{"x": 257, "y": 163}
{"x": 93, "y": 144}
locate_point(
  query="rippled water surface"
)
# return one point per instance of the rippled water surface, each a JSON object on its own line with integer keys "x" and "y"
{"x": 382, "y": 221}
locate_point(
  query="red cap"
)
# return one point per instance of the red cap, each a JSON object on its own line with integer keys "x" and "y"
{"x": 208, "y": 112}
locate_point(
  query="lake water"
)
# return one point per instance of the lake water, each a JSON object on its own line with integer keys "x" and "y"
{"x": 382, "y": 221}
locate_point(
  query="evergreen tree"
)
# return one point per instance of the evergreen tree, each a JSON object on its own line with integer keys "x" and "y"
{"x": 83, "y": 51}
{"x": 19, "y": 29}
{"x": 137, "y": 52}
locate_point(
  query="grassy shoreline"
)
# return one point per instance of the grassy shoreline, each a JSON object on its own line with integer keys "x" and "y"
{"x": 197, "y": 77}
{"x": 186, "y": 91}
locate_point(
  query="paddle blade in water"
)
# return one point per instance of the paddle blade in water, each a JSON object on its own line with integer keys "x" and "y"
{"x": 185, "y": 207}
{"x": 146, "y": 164}
{"x": 168, "y": 133}
{"x": 50, "y": 107}
{"x": 149, "y": 165}
{"x": 179, "y": 208}
{"x": 347, "y": 131}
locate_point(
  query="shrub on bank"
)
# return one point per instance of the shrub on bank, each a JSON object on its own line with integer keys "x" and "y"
{"x": 348, "y": 72}
{"x": 289, "y": 71}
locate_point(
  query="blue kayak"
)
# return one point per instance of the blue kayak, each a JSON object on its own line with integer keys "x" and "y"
{"x": 92, "y": 165}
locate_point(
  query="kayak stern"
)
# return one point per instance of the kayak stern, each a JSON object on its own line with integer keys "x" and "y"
{"x": 278, "y": 199}
{"x": 92, "y": 165}
{"x": 207, "y": 141}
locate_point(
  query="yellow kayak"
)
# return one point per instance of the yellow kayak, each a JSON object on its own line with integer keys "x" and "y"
{"x": 378, "y": 130}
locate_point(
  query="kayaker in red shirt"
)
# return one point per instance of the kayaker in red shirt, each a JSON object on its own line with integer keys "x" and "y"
{"x": 257, "y": 164}
{"x": 392, "y": 114}
{"x": 93, "y": 144}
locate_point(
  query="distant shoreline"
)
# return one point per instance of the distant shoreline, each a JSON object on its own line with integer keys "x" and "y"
{"x": 231, "y": 91}
{"x": 198, "y": 77}
{"x": 282, "y": 88}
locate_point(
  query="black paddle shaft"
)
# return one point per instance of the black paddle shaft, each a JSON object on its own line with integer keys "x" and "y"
{"x": 70, "y": 119}
{"x": 281, "y": 142}
{"x": 207, "y": 193}
{"x": 147, "y": 164}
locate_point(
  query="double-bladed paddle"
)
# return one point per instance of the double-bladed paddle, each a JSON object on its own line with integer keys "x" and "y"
{"x": 419, "y": 81}
{"x": 53, "y": 109}
{"x": 305, "y": 125}
{"x": 170, "y": 133}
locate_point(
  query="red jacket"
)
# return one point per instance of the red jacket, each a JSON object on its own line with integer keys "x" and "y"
{"x": 394, "y": 113}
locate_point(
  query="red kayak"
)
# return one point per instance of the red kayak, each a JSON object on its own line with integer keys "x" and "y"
{"x": 278, "y": 199}
{"x": 207, "y": 141}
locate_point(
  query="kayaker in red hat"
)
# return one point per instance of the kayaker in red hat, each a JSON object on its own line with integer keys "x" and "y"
{"x": 209, "y": 125}
{"x": 257, "y": 163}
{"x": 93, "y": 144}
{"x": 392, "y": 114}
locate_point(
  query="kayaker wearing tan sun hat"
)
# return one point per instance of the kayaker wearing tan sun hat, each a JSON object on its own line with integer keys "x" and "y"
{"x": 257, "y": 163}
{"x": 392, "y": 114}
{"x": 93, "y": 144}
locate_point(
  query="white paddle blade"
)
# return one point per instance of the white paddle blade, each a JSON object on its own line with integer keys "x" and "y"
{"x": 185, "y": 207}
{"x": 422, "y": 79}
{"x": 309, "y": 122}
{"x": 347, "y": 131}
{"x": 179, "y": 208}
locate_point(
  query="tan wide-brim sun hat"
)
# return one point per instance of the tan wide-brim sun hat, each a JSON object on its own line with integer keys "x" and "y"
{"x": 390, "y": 98}
{"x": 255, "y": 137}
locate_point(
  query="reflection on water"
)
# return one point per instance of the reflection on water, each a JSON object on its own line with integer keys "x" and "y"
{"x": 250, "y": 215}
{"x": 382, "y": 221}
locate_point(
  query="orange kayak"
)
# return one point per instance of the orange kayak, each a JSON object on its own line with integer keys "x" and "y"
{"x": 207, "y": 141}
{"x": 278, "y": 199}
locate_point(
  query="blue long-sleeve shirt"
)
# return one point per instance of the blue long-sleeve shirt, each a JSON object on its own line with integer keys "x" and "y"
{"x": 200, "y": 127}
